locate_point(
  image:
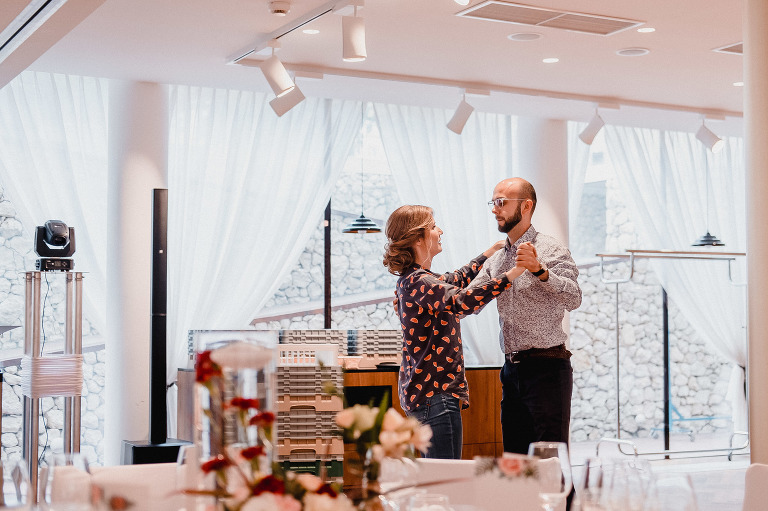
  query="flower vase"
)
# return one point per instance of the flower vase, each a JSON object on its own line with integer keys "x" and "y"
{"x": 371, "y": 496}
{"x": 235, "y": 375}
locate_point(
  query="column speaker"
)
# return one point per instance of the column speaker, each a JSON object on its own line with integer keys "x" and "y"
{"x": 158, "y": 411}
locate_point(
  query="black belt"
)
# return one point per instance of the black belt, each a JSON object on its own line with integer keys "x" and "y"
{"x": 558, "y": 351}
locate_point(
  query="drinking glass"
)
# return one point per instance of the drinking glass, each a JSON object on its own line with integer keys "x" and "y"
{"x": 16, "y": 490}
{"x": 554, "y": 472}
{"x": 593, "y": 484}
{"x": 671, "y": 491}
{"x": 68, "y": 484}
{"x": 430, "y": 502}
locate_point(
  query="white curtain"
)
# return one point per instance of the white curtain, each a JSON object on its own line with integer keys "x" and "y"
{"x": 664, "y": 176}
{"x": 53, "y": 161}
{"x": 454, "y": 175}
{"x": 246, "y": 191}
{"x": 578, "y": 162}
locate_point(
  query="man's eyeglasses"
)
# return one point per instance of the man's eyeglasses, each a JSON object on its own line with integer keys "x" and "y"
{"x": 499, "y": 203}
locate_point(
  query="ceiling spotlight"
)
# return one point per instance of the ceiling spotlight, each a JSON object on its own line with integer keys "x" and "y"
{"x": 282, "y": 104}
{"x": 709, "y": 139}
{"x": 279, "y": 8}
{"x": 311, "y": 31}
{"x": 646, "y": 30}
{"x": 353, "y": 32}
{"x": 278, "y": 78}
{"x": 462, "y": 2}
{"x": 550, "y": 60}
{"x": 738, "y": 84}
{"x": 460, "y": 116}
{"x": 589, "y": 133}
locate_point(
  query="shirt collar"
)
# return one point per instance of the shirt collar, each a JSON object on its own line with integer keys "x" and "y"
{"x": 528, "y": 235}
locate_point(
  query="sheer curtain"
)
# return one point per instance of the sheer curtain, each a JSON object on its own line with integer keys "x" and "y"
{"x": 664, "y": 175}
{"x": 53, "y": 160}
{"x": 246, "y": 191}
{"x": 578, "y": 161}
{"x": 454, "y": 175}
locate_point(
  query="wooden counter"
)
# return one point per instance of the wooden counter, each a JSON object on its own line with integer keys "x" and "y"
{"x": 481, "y": 421}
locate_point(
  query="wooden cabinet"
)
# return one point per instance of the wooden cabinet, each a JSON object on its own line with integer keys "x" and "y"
{"x": 481, "y": 421}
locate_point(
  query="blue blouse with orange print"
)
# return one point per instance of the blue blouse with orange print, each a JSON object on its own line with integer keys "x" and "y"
{"x": 429, "y": 307}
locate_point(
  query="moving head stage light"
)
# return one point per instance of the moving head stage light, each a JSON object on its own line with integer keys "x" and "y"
{"x": 54, "y": 242}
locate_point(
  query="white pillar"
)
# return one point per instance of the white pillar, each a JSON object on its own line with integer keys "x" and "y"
{"x": 138, "y": 135}
{"x": 756, "y": 153}
{"x": 542, "y": 159}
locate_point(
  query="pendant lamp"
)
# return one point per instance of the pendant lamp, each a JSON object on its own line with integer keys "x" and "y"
{"x": 362, "y": 224}
{"x": 707, "y": 240}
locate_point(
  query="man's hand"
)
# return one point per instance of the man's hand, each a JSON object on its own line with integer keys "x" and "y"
{"x": 527, "y": 257}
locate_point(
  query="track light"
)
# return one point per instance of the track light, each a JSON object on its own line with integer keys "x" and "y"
{"x": 460, "y": 116}
{"x": 353, "y": 32}
{"x": 589, "y": 133}
{"x": 709, "y": 139}
{"x": 282, "y": 104}
{"x": 277, "y": 77}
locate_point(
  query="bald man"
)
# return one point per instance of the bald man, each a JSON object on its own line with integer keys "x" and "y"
{"x": 537, "y": 377}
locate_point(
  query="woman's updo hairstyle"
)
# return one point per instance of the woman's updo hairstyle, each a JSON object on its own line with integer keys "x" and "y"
{"x": 405, "y": 226}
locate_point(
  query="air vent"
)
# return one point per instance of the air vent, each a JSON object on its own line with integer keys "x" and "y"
{"x": 732, "y": 49}
{"x": 520, "y": 14}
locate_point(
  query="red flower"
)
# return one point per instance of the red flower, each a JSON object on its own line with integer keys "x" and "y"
{"x": 263, "y": 419}
{"x": 252, "y": 452}
{"x": 328, "y": 490}
{"x": 243, "y": 403}
{"x": 117, "y": 503}
{"x": 269, "y": 484}
{"x": 205, "y": 368}
{"x": 218, "y": 463}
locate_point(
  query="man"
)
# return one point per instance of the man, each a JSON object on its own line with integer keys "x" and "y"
{"x": 537, "y": 378}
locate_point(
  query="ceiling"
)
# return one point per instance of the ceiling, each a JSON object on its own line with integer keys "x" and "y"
{"x": 425, "y": 53}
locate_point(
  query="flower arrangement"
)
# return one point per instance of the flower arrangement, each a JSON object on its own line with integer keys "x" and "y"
{"x": 238, "y": 470}
{"x": 507, "y": 467}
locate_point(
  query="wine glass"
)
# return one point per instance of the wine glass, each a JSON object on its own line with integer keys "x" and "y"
{"x": 430, "y": 502}
{"x": 593, "y": 484}
{"x": 68, "y": 484}
{"x": 671, "y": 491}
{"x": 554, "y": 469}
{"x": 16, "y": 490}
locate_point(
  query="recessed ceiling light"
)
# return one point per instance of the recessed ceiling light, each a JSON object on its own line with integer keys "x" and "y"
{"x": 550, "y": 60}
{"x": 738, "y": 84}
{"x": 633, "y": 52}
{"x": 646, "y": 30}
{"x": 524, "y": 36}
{"x": 311, "y": 31}
{"x": 462, "y": 2}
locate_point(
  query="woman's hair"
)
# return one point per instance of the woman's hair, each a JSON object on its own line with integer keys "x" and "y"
{"x": 405, "y": 226}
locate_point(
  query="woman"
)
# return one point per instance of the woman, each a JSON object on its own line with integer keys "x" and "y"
{"x": 433, "y": 387}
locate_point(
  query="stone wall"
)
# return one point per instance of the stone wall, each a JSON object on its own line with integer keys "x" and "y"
{"x": 16, "y": 257}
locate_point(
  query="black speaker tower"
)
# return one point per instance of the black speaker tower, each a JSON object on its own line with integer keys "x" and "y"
{"x": 160, "y": 448}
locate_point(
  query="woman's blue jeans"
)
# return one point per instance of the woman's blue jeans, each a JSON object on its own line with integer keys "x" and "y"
{"x": 443, "y": 414}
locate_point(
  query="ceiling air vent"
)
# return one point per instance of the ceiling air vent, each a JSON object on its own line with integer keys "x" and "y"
{"x": 494, "y": 10}
{"x": 731, "y": 49}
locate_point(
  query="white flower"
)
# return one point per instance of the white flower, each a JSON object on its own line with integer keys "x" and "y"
{"x": 365, "y": 417}
{"x": 309, "y": 481}
{"x": 324, "y": 502}
{"x": 392, "y": 420}
{"x": 345, "y": 418}
{"x": 421, "y": 438}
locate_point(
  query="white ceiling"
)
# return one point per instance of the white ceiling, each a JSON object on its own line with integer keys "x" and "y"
{"x": 189, "y": 41}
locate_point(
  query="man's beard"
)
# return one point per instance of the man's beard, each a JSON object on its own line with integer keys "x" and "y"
{"x": 512, "y": 222}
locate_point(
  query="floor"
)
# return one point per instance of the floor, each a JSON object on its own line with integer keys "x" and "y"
{"x": 717, "y": 481}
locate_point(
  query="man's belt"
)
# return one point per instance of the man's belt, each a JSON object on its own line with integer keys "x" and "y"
{"x": 558, "y": 351}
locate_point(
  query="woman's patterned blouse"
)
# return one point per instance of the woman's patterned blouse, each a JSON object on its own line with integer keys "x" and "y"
{"x": 429, "y": 307}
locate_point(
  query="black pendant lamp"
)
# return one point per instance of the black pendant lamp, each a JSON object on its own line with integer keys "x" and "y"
{"x": 362, "y": 224}
{"x": 707, "y": 240}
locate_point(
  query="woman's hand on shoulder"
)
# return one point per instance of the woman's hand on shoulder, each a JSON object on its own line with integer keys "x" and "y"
{"x": 515, "y": 272}
{"x": 495, "y": 248}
